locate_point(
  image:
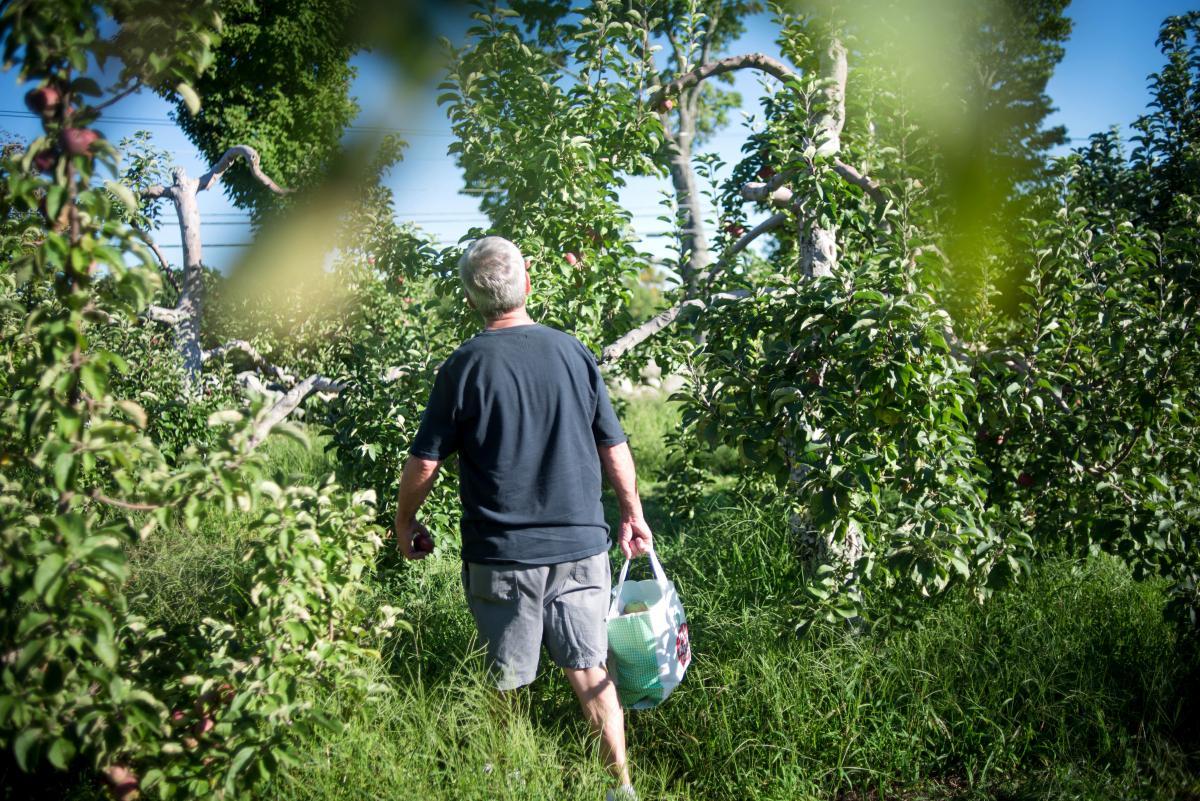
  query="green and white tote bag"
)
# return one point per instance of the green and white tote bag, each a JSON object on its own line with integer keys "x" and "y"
{"x": 648, "y": 645}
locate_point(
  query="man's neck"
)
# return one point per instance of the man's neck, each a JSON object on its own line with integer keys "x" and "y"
{"x": 509, "y": 319}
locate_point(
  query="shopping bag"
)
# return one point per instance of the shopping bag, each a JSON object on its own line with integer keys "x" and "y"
{"x": 648, "y": 651}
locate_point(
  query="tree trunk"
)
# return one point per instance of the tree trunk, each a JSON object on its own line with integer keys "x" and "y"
{"x": 818, "y": 242}
{"x": 693, "y": 242}
{"x": 191, "y": 298}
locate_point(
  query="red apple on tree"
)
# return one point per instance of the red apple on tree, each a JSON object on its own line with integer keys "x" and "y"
{"x": 766, "y": 172}
{"x": 571, "y": 258}
{"x": 44, "y": 100}
{"x": 78, "y": 141}
{"x": 733, "y": 229}
{"x": 666, "y": 104}
{"x": 1025, "y": 480}
{"x": 45, "y": 160}
{"x": 122, "y": 782}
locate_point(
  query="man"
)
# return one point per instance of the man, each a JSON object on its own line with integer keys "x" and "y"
{"x": 525, "y": 407}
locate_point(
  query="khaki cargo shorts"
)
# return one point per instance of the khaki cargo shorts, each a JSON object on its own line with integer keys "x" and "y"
{"x": 519, "y": 608}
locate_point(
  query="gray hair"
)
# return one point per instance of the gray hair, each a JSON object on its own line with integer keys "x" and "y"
{"x": 493, "y": 274}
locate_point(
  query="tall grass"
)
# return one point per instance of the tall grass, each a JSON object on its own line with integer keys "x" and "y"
{"x": 1069, "y": 686}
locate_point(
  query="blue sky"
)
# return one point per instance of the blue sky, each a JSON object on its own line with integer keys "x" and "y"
{"x": 1100, "y": 82}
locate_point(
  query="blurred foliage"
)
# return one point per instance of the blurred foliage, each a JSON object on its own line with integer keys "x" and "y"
{"x": 104, "y": 444}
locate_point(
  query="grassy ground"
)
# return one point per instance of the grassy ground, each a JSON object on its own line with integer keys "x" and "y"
{"x": 1069, "y": 687}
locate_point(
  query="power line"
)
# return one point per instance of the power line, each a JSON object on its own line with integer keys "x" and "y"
{"x": 128, "y": 120}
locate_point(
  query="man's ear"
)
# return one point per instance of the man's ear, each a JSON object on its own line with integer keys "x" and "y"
{"x": 470, "y": 302}
{"x": 528, "y": 283}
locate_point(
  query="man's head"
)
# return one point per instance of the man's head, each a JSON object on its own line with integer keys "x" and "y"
{"x": 493, "y": 274}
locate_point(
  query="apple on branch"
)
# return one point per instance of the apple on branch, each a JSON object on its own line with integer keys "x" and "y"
{"x": 44, "y": 100}
{"x": 45, "y": 160}
{"x": 78, "y": 141}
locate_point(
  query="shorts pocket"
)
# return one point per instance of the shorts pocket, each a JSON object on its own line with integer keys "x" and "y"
{"x": 491, "y": 583}
{"x": 592, "y": 571}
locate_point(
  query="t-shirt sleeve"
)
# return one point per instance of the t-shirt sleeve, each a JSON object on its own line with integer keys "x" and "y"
{"x": 606, "y": 428}
{"x": 437, "y": 436}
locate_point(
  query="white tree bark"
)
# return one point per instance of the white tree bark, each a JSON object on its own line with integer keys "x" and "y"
{"x": 286, "y": 404}
{"x": 182, "y": 193}
{"x": 818, "y": 242}
{"x": 693, "y": 240}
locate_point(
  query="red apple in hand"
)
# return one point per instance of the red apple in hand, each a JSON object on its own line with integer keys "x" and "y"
{"x": 78, "y": 141}
{"x": 422, "y": 543}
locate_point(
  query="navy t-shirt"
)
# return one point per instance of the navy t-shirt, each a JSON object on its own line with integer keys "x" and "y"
{"x": 525, "y": 408}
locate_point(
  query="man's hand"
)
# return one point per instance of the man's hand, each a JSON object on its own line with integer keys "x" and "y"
{"x": 634, "y": 537}
{"x": 413, "y": 539}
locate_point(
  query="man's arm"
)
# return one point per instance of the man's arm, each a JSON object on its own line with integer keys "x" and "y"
{"x": 415, "y": 483}
{"x": 633, "y": 535}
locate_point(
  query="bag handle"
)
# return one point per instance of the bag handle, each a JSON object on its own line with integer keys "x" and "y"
{"x": 660, "y": 576}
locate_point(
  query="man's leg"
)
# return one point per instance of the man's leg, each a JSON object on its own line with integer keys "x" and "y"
{"x": 598, "y": 696}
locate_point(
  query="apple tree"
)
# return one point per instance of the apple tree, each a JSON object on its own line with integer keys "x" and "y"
{"x": 86, "y": 682}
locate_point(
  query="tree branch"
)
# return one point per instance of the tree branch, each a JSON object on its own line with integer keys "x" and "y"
{"x": 637, "y": 336}
{"x": 288, "y": 404}
{"x": 96, "y": 495}
{"x": 758, "y": 61}
{"x": 769, "y": 224}
{"x": 256, "y": 359}
{"x": 864, "y": 182}
{"x": 252, "y": 159}
{"x": 157, "y": 191}
{"x": 769, "y": 192}
{"x": 161, "y": 314}
{"x": 144, "y": 235}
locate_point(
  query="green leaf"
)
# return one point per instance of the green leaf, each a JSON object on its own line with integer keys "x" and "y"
{"x": 235, "y": 766}
{"x": 224, "y": 417}
{"x": 64, "y": 465}
{"x": 95, "y": 380}
{"x": 122, "y": 194}
{"x": 61, "y": 753}
{"x": 190, "y": 98}
{"x": 23, "y": 744}
{"x": 47, "y": 572}
{"x": 291, "y": 431}
{"x": 297, "y": 630}
{"x": 105, "y": 649}
{"x": 134, "y": 412}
